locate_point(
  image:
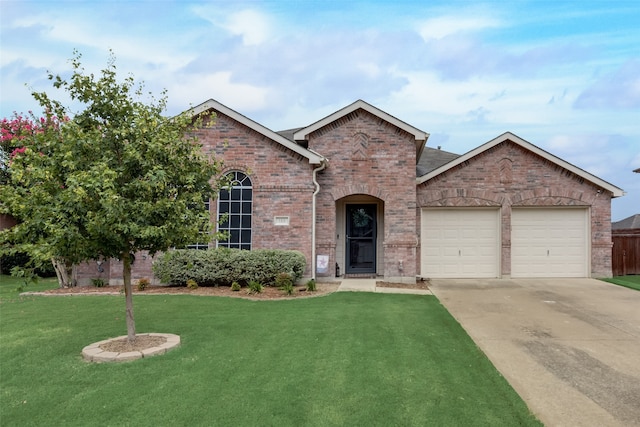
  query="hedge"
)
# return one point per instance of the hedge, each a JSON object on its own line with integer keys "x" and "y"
{"x": 222, "y": 266}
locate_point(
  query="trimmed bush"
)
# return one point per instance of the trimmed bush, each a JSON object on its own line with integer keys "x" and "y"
{"x": 311, "y": 285}
{"x": 143, "y": 284}
{"x": 255, "y": 287}
{"x": 98, "y": 282}
{"x": 223, "y": 266}
{"x": 285, "y": 283}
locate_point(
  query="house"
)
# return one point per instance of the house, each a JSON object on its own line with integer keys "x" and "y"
{"x": 360, "y": 194}
{"x": 626, "y": 246}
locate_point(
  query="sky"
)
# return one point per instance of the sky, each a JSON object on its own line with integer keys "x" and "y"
{"x": 563, "y": 75}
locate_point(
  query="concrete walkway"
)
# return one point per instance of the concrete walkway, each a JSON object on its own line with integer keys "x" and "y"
{"x": 569, "y": 347}
{"x": 369, "y": 285}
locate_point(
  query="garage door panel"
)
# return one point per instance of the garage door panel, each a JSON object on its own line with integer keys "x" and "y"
{"x": 459, "y": 243}
{"x": 549, "y": 242}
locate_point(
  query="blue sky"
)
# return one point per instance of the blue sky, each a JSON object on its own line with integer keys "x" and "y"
{"x": 563, "y": 75}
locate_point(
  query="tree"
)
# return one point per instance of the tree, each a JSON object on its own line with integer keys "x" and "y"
{"x": 116, "y": 178}
{"x": 16, "y": 134}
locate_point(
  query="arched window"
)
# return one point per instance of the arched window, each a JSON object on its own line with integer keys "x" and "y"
{"x": 234, "y": 211}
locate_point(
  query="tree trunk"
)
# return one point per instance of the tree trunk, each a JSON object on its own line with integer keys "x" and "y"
{"x": 128, "y": 295}
{"x": 67, "y": 272}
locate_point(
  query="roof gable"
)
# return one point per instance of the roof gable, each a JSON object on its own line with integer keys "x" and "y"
{"x": 314, "y": 158}
{"x": 420, "y": 136}
{"x": 508, "y": 136}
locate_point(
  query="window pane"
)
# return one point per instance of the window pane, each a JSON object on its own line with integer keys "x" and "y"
{"x": 245, "y": 247}
{"x": 235, "y": 203}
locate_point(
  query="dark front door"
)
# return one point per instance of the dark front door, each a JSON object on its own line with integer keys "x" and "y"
{"x": 361, "y": 239}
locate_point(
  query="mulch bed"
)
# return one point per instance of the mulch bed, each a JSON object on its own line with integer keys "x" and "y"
{"x": 142, "y": 342}
{"x": 420, "y": 284}
{"x": 268, "y": 292}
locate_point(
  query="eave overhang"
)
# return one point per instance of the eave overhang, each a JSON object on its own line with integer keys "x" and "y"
{"x": 508, "y": 136}
{"x": 314, "y": 158}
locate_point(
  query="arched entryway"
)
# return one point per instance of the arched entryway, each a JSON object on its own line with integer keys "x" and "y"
{"x": 360, "y": 231}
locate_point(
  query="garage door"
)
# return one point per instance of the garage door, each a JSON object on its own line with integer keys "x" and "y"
{"x": 549, "y": 242}
{"x": 459, "y": 243}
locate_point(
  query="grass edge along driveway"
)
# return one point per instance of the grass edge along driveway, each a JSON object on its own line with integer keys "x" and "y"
{"x": 343, "y": 359}
{"x": 631, "y": 282}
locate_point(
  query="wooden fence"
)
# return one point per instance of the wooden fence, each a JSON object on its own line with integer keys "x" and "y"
{"x": 626, "y": 252}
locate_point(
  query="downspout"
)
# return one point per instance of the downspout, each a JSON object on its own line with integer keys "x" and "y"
{"x": 323, "y": 165}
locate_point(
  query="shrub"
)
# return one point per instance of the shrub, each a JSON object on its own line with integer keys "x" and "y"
{"x": 143, "y": 284}
{"x": 311, "y": 285}
{"x": 285, "y": 282}
{"x": 235, "y": 286}
{"x": 192, "y": 284}
{"x": 98, "y": 282}
{"x": 255, "y": 287}
{"x": 223, "y": 266}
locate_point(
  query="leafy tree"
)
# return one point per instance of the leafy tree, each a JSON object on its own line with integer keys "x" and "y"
{"x": 116, "y": 178}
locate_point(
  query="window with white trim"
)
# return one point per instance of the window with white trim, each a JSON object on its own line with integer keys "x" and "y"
{"x": 235, "y": 204}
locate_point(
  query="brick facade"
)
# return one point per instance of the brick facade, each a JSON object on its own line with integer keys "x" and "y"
{"x": 281, "y": 181}
{"x": 371, "y": 159}
{"x": 506, "y": 176}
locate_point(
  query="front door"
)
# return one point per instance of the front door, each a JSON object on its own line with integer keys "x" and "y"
{"x": 361, "y": 238}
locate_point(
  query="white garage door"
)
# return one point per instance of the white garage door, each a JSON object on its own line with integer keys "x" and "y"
{"x": 459, "y": 243}
{"x": 549, "y": 242}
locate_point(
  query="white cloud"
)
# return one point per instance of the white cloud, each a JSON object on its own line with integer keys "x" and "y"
{"x": 619, "y": 89}
{"x": 440, "y": 27}
{"x": 243, "y": 98}
{"x": 252, "y": 26}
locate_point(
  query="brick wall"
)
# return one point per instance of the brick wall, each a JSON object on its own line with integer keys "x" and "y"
{"x": 508, "y": 175}
{"x": 368, "y": 156}
{"x": 281, "y": 180}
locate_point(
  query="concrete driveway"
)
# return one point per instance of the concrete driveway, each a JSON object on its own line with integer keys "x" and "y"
{"x": 569, "y": 347}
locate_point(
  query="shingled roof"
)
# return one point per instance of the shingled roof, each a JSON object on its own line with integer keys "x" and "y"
{"x": 632, "y": 222}
{"x": 432, "y": 159}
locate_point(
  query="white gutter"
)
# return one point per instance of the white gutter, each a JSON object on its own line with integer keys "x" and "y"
{"x": 323, "y": 165}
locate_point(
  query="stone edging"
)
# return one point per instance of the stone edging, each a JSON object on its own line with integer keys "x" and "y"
{"x": 93, "y": 352}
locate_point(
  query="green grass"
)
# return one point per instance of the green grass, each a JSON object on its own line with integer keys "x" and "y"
{"x": 632, "y": 282}
{"x": 358, "y": 359}
{"x": 9, "y": 286}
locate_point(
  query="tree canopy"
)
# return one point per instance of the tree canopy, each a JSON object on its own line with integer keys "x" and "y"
{"x": 114, "y": 178}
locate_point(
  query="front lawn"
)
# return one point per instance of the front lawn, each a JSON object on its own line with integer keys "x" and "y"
{"x": 632, "y": 282}
{"x": 344, "y": 359}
